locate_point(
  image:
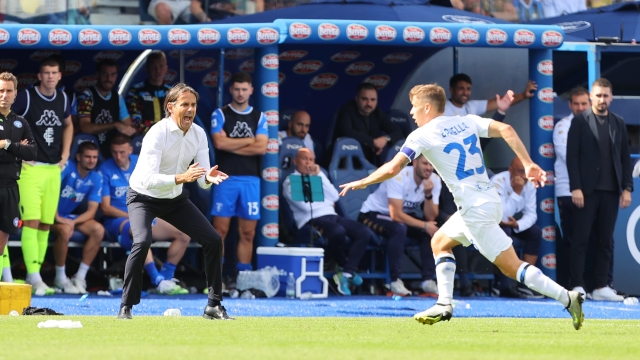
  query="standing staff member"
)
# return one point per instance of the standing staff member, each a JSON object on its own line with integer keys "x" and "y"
{"x": 155, "y": 190}
{"x": 16, "y": 144}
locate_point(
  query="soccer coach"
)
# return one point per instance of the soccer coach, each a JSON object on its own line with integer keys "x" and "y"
{"x": 155, "y": 190}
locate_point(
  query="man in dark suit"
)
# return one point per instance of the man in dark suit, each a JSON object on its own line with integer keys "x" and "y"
{"x": 599, "y": 168}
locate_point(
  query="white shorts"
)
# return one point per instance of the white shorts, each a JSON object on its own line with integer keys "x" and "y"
{"x": 179, "y": 9}
{"x": 479, "y": 226}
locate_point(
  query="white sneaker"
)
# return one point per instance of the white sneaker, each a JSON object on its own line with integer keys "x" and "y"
{"x": 66, "y": 286}
{"x": 580, "y": 289}
{"x": 171, "y": 287}
{"x": 397, "y": 287}
{"x": 429, "y": 286}
{"x": 80, "y": 284}
{"x": 606, "y": 294}
{"x": 39, "y": 288}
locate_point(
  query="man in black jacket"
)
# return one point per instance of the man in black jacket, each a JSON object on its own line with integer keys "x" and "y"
{"x": 16, "y": 144}
{"x": 599, "y": 167}
{"x": 363, "y": 120}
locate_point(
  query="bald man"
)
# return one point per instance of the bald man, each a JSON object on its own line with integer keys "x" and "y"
{"x": 299, "y": 127}
{"x": 334, "y": 228}
{"x": 519, "y": 218}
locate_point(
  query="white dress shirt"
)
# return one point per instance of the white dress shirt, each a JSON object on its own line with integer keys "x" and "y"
{"x": 512, "y": 203}
{"x": 473, "y": 107}
{"x": 302, "y": 210}
{"x": 560, "y": 132}
{"x": 167, "y": 151}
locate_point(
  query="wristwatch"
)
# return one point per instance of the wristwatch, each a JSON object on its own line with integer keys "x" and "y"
{"x": 388, "y": 138}
{"x": 628, "y": 188}
{"x": 7, "y": 142}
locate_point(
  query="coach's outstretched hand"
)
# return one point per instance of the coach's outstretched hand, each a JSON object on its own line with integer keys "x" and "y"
{"x": 354, "y": 185}
{"x": 216, "y": 176}
{"x": 535, "y": 174}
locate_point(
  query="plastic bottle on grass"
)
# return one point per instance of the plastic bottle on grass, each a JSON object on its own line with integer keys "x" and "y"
{"x": 291, "y": 287}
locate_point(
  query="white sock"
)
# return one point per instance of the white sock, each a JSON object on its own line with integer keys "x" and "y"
{"x": 33, "y": 278}
{"x": 82, "y": 271}
{"x": 61, "y": 273}
{"x": 533, "y": 278}
{"x": 6, "y": 275}
{"x": 445, "y": 273}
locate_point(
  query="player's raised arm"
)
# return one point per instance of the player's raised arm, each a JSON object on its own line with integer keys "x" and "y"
{"x": 384, "y": 172}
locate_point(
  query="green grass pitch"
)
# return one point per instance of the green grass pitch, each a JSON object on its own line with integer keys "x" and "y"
{"x": 147, "y": 337}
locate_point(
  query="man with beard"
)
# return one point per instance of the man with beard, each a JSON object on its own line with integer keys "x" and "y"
{"x": 299, "y": 126}
{"x": 79, "y": 181}
{"x": 101, "y": 111}
{"x": 599, "y": 168}
{"x": 240, "y": 135}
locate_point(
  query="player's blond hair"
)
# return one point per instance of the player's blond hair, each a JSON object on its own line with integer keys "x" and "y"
{"x": 175, "y": 92}
{"x": 429, "y": 93}
{"x": 7, "y": 76}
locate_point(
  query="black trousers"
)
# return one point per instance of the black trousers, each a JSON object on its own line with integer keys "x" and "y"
{"x": 181, "y": 213}
{"x": 603, "y": 206}
{"x": 563, "y": 243}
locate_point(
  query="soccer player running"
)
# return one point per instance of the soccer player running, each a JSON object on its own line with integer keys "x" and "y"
{"x": 451, "y": 144}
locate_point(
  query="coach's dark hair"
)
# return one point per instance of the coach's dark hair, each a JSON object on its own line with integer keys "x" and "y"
{"x": 120, "y": 139}
{"x": 174, "y": 94}
{"x": 602, "y": 82}
{"x": 577, "y": 91}
{"x": 455, "y": 79}
{"x": 87, "y": 145}
{"x": 365, "y": 86}
{"x": 106, "y": 62}
{"x": 241, "y": 77}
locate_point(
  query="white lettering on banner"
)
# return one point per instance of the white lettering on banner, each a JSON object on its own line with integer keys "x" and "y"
{"x": 631, "y": 234}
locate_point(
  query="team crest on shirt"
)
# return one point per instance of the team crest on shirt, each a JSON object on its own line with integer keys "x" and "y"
{"x": 241, "y": 130}
{"x": 17, "y": 124}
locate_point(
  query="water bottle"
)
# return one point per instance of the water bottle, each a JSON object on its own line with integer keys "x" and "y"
{"x": 631, "y": 301}
{"x": 172, "y": 312}
{"x": 291, "y": 287}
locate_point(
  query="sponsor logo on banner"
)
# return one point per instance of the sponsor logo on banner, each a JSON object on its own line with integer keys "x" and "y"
{"x": 89, "y": 37}
{"x": 28, "y": 36}
{"x": 548, "y": 261}
{"x": 496, "y": 37}
{"x": 119, "y": 37}
{"x": 266, "y": 36}
{"x": 108, "y": 54}
{"x": 549, "y": 233}
{"x": 385, "y": 33}
{"x": 271, "y": 202}
{"x": 439, "y": 35}
{"x": 273, "y": 117}
{"x": 59, "y": 37}
{"x": 281, "y": 77}
{"x": 323, "y": 81}
{"x": 26, "y": 79}
{"x": 468, "y": 36}
{"x": 546, "y": 150}
{"x": 396, "y": 58}
{"x": 551, "y": 178}
{"x": 344, "y": 56}
{"x": 8, "y": 64}
{"x": 327, "y": 31}
{"x": 359, "y": 68}
{"x": 307, "y": 67}
{"x": 199, "y": 64}
{"x": 379, "y": 81}
{"x": 357, "y": 32}
{"x": 299, "y": 31}
{"x": 211, "y": 79}
{"x": 4, "y": 36}
{"x": 292, "y": 55}
{"x": 71, "y": 67}
{"x": 551, "y": 38}
{"x": 546, "y": 122}
{"x": 413, "y": 34}
{"x": 270, "y": 61}
{"x": 178, "y": 36}
{"x": 270, "y": 231}
{"x": 208, "y": 36}
{"x": 170, "y": 77}
{"x": 85, "y": 82}
{"x": 187, "y": 53}
{"x": 546, "y": 95}
{"x": 42, "y": 54}
{"x": 149, "y": 37}
{"x": 270, "y": 174}
{"x": 546, "y": 205}
{"x": 237, "y": 36}
{"x": 236, "y": 54}
{"x": 270, "y": 89}
{"x": 247, "y": 66}
{"x": 272, "y": 146}
{"x": 523, "y": 37}
{"x": 545, "y": 67}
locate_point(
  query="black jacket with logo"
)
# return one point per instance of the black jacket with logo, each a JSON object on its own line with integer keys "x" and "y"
{"x": 15, "y": 128}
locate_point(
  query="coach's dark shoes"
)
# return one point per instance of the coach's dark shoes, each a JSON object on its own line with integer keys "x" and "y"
{"x": 217, "y": 312}
{"x": 125, "y": 313}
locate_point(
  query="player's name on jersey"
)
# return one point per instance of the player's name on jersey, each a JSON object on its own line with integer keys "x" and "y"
{"x": 454, "y": 130}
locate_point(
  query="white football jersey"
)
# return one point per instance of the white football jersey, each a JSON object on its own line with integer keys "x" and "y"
{"x": 452, "y": 145}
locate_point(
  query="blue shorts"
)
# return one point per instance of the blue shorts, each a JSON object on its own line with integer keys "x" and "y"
{"x": 112, "y": 225}
{"x": 237, "y": 196}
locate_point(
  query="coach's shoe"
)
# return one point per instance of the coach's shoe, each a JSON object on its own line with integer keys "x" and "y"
{"x": 66, "y": 286}
{"x": 437, "y": 312}
{"x": 125, "y": 312}
{"x": 39, "y": 288}
{"x": 575, "y": 308}
{"x": 80, "y": 284}
{"x": 606, "y": 294}
{"x": 429, "y": 286}
{"x": 397, "y": 287}
{"x": 217, "y": 312}
{"x": 342, "y": 283}
{"x": 171, "y": 287}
